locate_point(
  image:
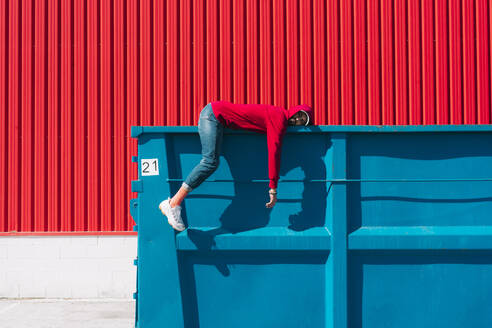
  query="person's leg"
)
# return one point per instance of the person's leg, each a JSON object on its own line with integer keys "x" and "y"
{"x": 179, "y": 196}
{"x": 211, "y": 133}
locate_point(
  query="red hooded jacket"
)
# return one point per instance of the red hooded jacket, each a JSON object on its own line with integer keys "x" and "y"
{"x": 267, "y": 119}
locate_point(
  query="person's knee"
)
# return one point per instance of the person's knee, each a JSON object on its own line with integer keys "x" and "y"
{"x": 210, "y": 163}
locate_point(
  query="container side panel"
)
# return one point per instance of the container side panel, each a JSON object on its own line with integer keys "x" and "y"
{"x": 158, "y": 304}
{"x": 264, "y": 288}
{"x": 429, "y": 159}
{"x": 416, "y": 281}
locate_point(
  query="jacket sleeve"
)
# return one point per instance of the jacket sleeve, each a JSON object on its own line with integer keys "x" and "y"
{"x": 274, "y": 143}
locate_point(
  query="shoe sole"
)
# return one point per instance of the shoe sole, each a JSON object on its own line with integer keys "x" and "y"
{"x": 169, "y": 221}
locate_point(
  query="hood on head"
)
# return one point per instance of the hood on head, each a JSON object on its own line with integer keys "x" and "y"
{"x": 309, "y": 111}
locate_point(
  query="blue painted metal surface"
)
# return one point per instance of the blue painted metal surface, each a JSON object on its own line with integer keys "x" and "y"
{"x": 374, "y": 227}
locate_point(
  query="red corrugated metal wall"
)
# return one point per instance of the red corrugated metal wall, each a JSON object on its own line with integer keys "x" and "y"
{"x": 75, "y": 75}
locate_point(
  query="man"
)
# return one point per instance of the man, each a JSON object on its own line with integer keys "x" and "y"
{"x": 265, "y": 119}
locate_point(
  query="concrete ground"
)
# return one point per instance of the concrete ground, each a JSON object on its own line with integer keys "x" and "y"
{"x": 66, "y": 313}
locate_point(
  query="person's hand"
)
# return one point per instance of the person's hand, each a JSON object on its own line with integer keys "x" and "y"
{"x": 273, "y": 198}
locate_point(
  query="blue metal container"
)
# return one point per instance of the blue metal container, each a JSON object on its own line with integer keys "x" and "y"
{"x": 374, "y": 227}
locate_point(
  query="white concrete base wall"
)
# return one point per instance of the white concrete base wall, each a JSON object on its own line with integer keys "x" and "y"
{"x": 68, "y": 267}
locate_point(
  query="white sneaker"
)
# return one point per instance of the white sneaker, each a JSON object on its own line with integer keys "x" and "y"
{"x": 173, "y": 214}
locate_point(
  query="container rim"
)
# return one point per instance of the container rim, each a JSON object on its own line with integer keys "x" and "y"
{"x": 138, "y": 130}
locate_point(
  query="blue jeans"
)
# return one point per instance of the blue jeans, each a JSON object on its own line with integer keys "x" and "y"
{"x": 211, "y": 132}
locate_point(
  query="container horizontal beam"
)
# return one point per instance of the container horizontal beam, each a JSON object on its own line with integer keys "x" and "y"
{"x": 421, "y": 238}
{"x": 267, "y": 238}
{"x": 138, "y": 130}
{"x": 341, "y": 180}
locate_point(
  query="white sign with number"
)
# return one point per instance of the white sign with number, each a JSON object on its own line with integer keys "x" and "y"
{"x": 150, "y": 166}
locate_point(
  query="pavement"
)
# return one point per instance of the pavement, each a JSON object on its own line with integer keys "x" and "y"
{"x": 67, "y": 313}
